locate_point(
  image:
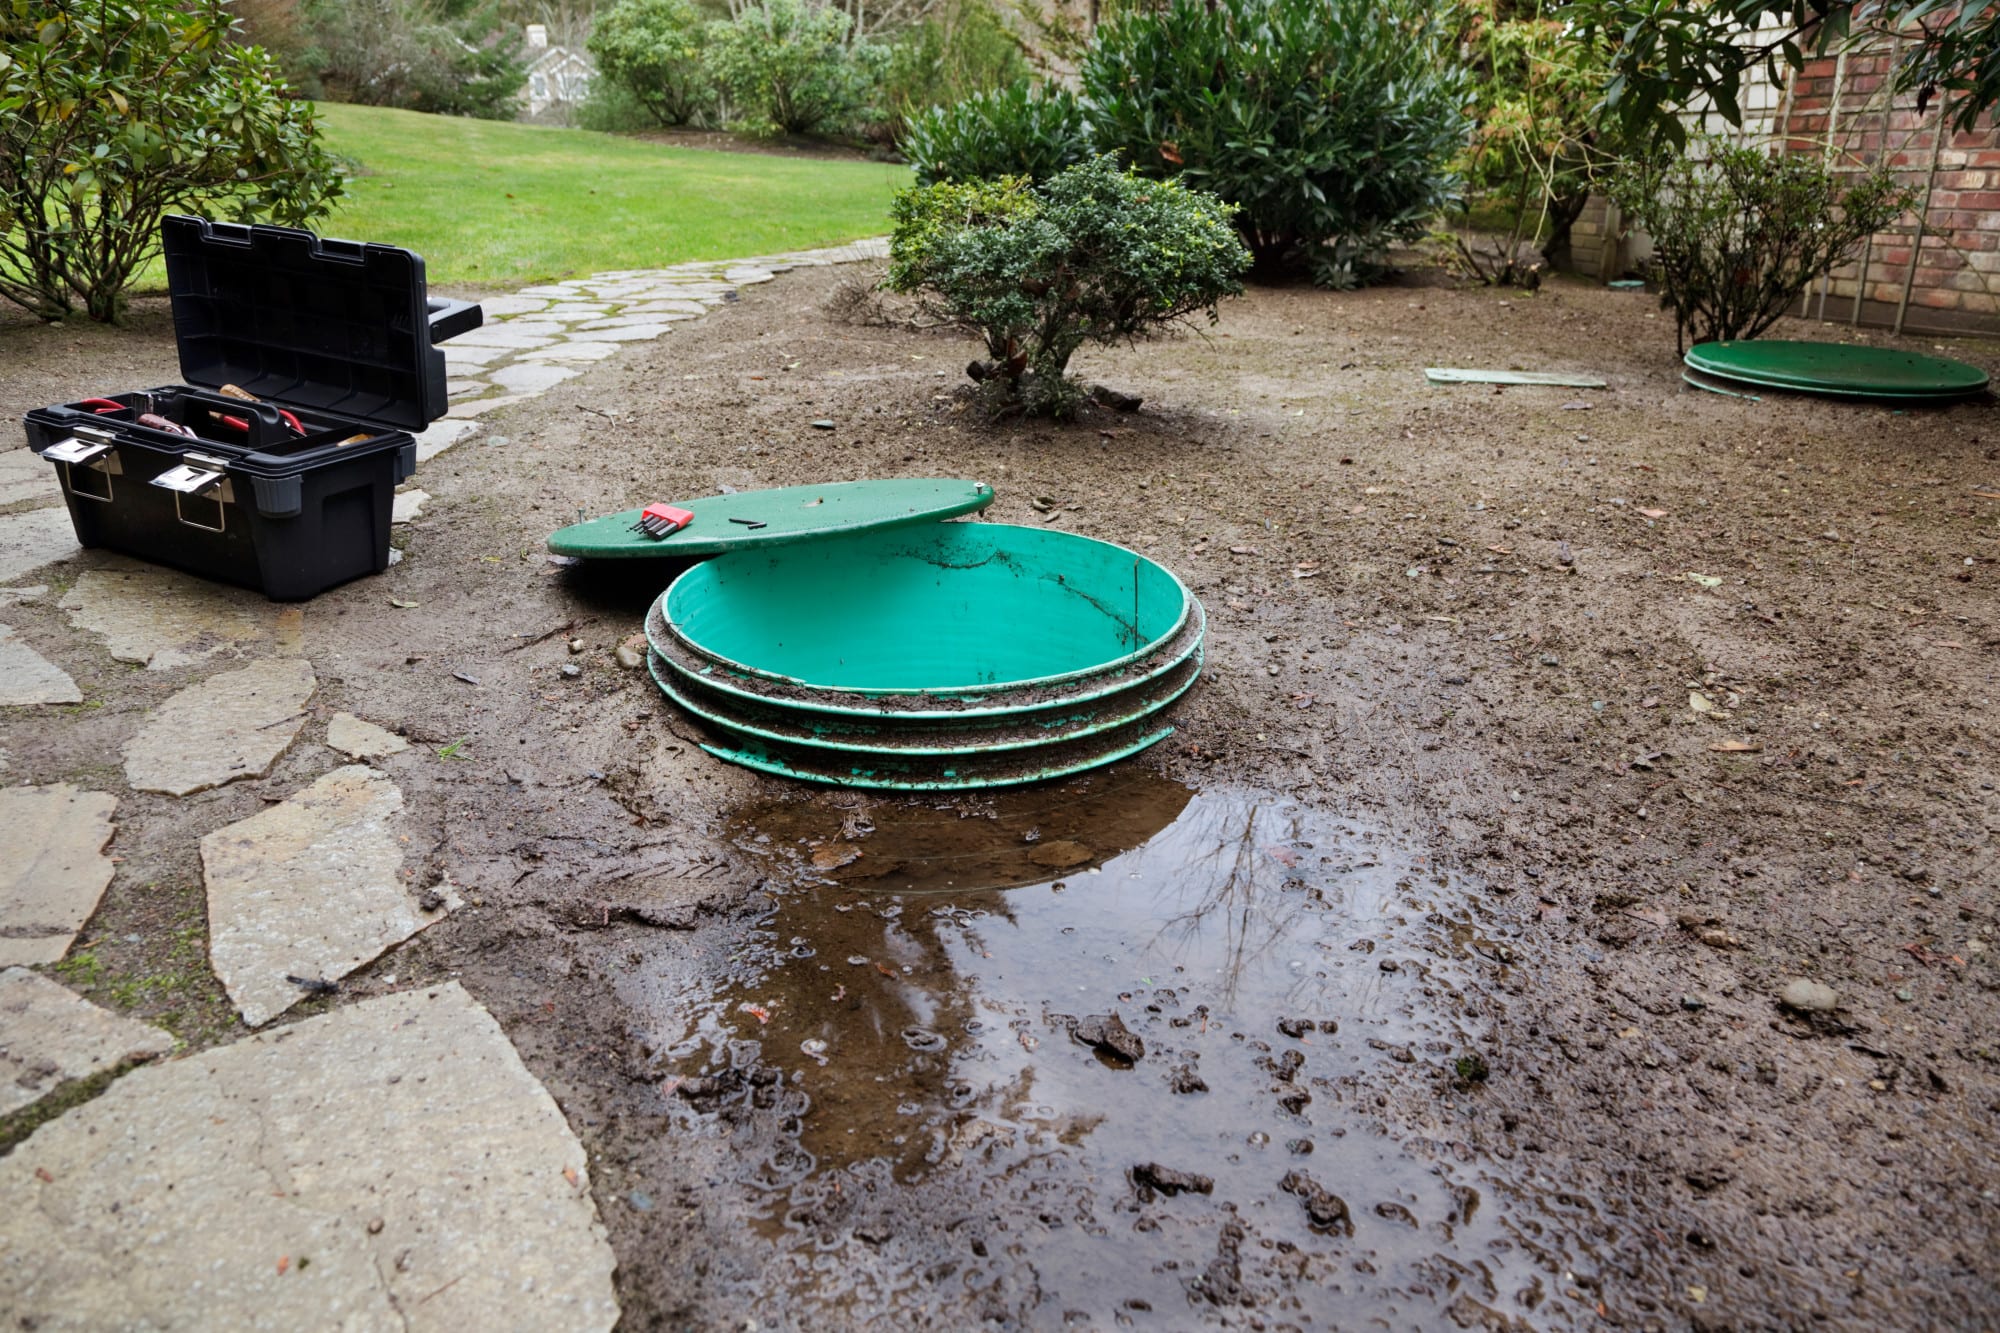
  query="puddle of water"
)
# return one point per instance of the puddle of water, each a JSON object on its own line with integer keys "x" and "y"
{"x": 938, "y": 1053}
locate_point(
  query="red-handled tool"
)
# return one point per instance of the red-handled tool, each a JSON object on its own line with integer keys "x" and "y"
{"x": 658, "y": 521}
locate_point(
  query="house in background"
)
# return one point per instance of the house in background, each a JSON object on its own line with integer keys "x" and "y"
{"x": 1937, "y": 270}
{"x": 558, "y": 78}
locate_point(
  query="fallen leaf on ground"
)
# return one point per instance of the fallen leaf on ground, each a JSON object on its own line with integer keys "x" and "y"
{"x": 1244, "y": 550}
{"x": 1705, "y": 580}
{"x": 1060, "y": 855}
{"x": 1653, "y": 513}
{"x": 834, "y": 856}
{"x": 1701, "y": 703}
{"x": 1736, "y": 747}
{"x": 402, "y": 605}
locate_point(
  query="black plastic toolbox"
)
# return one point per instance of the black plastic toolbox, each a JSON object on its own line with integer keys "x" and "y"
{"x": 290, "y": 493}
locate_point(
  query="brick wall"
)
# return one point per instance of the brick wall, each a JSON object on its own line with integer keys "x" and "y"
{"x": 1840, "y": 109}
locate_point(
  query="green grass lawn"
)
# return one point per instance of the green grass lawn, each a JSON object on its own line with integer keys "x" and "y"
{"x": 494, "y": 204}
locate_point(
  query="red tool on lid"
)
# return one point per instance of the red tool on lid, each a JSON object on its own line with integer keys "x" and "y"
{"x": 658, "y": 521}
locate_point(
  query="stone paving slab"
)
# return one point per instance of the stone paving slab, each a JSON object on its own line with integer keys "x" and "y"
{"x": 440, "y": 436}
{"x": 26, "y": 677}
{"x": 310, "y": 888}
{"x": 573, "y": 351}
{"x": 390, "y": 1165}
{"x": 232, "y": 725}
{"x": 24, "y": 476}
{"x": 531, "y": 377}
{"x": 408, "y": 506}
{"x": 34, "y": 538}
{"x": 52, "y": 868}
{"x": 362, "y": 740}
{"x": 49, "y": 1034}
{"x": 166, "y": 619}
{"x": 479, "y": 407}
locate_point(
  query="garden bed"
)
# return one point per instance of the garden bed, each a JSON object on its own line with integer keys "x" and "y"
{"x": 1656, "y": 699}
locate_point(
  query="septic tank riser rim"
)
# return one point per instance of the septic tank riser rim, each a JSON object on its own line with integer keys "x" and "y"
{"x": 1095, "y": 727}
{"x": 1195, "y": 635}
{"x": 869, "y": 782}
{"x": 974, "y": 689}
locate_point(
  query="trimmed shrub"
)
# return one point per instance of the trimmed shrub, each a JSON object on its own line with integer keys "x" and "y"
{"x": 653, "y": 50}
{"x": 1329, "y": 123}
{"x": 1016, "y": 131}
{"x": 1738, "y": 232}
{"x": 114, "y": 113}
{"x": 1091, "y": 255}
{"x": 788, "y": 68}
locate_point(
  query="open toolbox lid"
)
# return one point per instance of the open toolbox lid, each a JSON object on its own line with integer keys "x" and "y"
{"x": 342, "y": 327}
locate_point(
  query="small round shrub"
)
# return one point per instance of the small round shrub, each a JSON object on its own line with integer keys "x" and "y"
{"x": 788, "y": 67}
{"x": 1091, "y": 255}
{"x": 652, "y": 49}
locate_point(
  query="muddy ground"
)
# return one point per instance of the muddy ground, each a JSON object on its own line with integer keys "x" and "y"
{"x": 1546, "y": 736}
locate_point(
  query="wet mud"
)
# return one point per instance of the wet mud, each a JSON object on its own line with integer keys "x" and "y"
{"x": 1116, "y": 1035}
{"x": 1605, "y": 718}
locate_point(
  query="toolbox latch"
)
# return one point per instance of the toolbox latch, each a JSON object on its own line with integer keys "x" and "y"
{"x": 91, "y": 451}
{"x": 199, "y": 475}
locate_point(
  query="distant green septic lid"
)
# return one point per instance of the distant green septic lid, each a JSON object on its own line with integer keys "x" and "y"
{"x": 1842, "y": 369}
{"x": 775, "y": 517}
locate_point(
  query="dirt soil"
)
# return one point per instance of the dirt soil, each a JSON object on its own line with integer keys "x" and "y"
{"x": 1546, "y": 736}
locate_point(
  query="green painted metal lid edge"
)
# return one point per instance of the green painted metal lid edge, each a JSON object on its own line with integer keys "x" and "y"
{"x": 712, "y": 532}
{"x": 1812, "y": 372}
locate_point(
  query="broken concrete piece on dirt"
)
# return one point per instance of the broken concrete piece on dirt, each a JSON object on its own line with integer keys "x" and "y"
{"x": 27, "y": 678}
{"x": 1809, "y": 997}
{"x": 310, "y": 888}
{"x": 390, "y": 1164}
{"x": 166, "y": 619}
{"x": 362, "y": 740}
{"x": 1108, "y": 1035}
{"x": 1168, "y": 1181}
{"x": 232, "y": 725}
{"x": 52, "y": 868}
{"x": 50, "y": 1035}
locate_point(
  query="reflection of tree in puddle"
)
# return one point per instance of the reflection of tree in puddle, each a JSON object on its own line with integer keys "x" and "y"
{"x": 928, "y": 1027}
{"x": 879, "y": 1018}
{"x": 1234, "y": 859}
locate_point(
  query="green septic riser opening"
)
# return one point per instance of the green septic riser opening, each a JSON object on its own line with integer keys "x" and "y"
{"x": 959, "y": 609}
{"x": 848, "y": 710}
{"x": 950, "y": 657}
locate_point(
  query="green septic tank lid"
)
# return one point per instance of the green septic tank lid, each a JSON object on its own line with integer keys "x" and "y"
{"x": 1842, "y": 369}
{"x": 787, "y": 514}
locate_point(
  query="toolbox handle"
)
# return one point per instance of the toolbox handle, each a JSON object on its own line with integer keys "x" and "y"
{"x": 451, "y": 318}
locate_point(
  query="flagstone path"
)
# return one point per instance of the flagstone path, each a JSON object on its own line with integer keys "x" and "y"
{"x": 390, "y": 1163}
